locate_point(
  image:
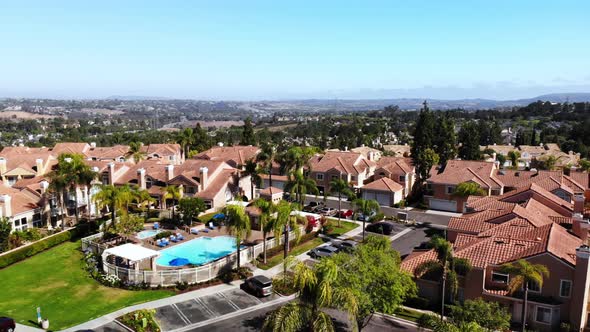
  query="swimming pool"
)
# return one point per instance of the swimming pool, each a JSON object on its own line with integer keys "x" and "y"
{"x": 147, "y": 233}
{"x": 199, "y": 251}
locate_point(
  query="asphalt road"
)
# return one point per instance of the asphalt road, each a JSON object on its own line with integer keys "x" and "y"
{"x": 253, "y": 321}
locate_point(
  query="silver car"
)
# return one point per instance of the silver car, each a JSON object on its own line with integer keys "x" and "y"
{"x": 320, "y": 252}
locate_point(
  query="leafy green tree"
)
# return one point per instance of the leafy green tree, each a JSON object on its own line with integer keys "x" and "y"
{"x": 115, "y": 198}
{"x": 252, "y": 170}
{"x": 514, "y": 157}
{"x": 522, "y": 275}
{"x": 487, "y": 314}
{"x": 446, "y": 267}
{"x": 298, "y": 185}
{"x": 366, "y": 207}
{"x": 446, "y": 146}
{"x": 547, "y": 162}
{"x": 171, "y": 193}
{"x": 585, "y": 165}
{"x": 428, "y": 158}
{"x": 501, "y": 159}
{"x": 374, "y": 276}
{"x": 469, "y": 188}
{"x": 129, "y": 224}
{"x": 469, "y": 139}
{"x": 423, "y": 139}
{"x": 248, "y": 137}
{"x": 75, "y": 172}
{"x": 340, "y": 187}
{"x": 317, "y": 289}
{"x": 201, "y": 140}
{"x": 284, "y": 222}
{"x": 190, "y": 208}
{"x": 238, "y": 225}
{"x": 5, "y": 229}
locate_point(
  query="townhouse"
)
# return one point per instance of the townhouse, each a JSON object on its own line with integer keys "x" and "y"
{"x": 350, "y": 166}
{"x": 235, "y": 156}
{"x": 392, "y": 181}
{"x": 530, "y": 223}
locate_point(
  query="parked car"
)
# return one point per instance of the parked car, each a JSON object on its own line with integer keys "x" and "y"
{"x": 7, "y": 324}
{"x": 327, "y": 211}
{"x": 311, "y": 207}
{"x": 380, "y": 228}
{"x": 345, "y": 246}
{"x": 259, "y": 285}
{"x": 362, "y": 217}
{"x": 344, "y": 214}
{"x": 320, "y": 252}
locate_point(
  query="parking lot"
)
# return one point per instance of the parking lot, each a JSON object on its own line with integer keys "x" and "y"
{"x": 179, "y": 315}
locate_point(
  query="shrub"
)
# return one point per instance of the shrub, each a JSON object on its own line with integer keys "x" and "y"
{"x": 163, "y": 234}
{"x": 428, "y": 321}
{"x": 35, "y": 248}
{"x": 181, "y": 285}
{"x": 377, "y": 217}
{"x": 141, "y": 320}
{"x": 418, "y": 302}
{"x": 283, "y": 285}
{"x": 279, "y": 249}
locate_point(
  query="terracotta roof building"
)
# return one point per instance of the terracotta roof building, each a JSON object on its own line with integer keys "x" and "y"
{"x": 350, "y": 166}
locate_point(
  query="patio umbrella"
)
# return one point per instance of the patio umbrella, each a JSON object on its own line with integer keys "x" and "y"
{"x": 219, "y": 216}
{"x": 179, "y": 262}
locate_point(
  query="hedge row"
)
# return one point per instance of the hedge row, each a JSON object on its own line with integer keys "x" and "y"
{"x": 278, "y": 249}
{"x": 37, "y": 247}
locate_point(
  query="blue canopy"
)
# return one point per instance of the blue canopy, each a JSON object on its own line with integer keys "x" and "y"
{"x": 219, "y": 216}
{"x": 179, "y": 262}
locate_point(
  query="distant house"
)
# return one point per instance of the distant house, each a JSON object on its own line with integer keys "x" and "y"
{"x": 384, "y": 190}
{"x": 402, "y": 150}
{"x": 350, "y": 166}
{"x": 235, "y": 156}
{"x": 400, "y": 170}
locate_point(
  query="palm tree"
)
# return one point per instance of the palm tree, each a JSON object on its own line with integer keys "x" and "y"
{"x": 299, "y": 185}
{"x": 549, "y": 162}
{"x": 283, "y": 223}
{"x": 524, "y": 274}
{"x": 58, "y": 185}
{"x": 135, "y": 151}
{"x": 266, "y": 158}
{"x": 445, "y": 265}
{"x": 143, "y": 197}
{"x": 238, "y": 225}
{"x": 295, "y": 158}
{"x": 340, "y": 187}
{"x": 173, "y": 193}
{"x": 514, "y": 156}
{"x": 251, "y": 169}
{"x": 267, "y": 208}
{"x": 316, "y": 290}
{"x": 366, "y": 207}
{"x": 186, "y": 139}
{"x": 85, "y": 178}
{"x": 108, "y": 197}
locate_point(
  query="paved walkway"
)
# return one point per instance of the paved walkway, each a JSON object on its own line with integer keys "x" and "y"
{"x": 26, "y": 328}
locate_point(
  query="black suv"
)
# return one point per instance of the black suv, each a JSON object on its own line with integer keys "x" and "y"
{"x": 7, "y": 324}
{"x": 380, "y": 228}
{"x": 259, "y": 285}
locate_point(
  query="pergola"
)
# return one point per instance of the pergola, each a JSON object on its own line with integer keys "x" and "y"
{"x": 133, "y": 253}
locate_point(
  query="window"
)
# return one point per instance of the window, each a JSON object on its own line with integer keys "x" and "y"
{"x": 501, "y": 278}
{"x": 190, "y": 190}
{"x": 534, "y": 287}
{"x": 148, "y": 183}
{"x": 320, "y": 176}
{"x": 450, "y": 189}
{"x": 402, "y": 178}
{"x": 37, "y": 220}
{"x": 208, "y": 205}
{"x": 105, "y": 178}
{"x": 543, "y": 315}
{"x": 565, "y": 288}
{"x": 495, "y": 192}
{"x": 334, "y": 177}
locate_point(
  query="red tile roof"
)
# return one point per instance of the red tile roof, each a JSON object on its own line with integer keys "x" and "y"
{"x": 383, "y": 184}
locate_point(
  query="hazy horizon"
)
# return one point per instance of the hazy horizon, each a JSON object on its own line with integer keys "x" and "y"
{"x": 263, "y": 50}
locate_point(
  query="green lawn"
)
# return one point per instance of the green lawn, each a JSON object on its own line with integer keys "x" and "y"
{"x": 346, "y": 226}
{"x": 207, "y": 217}
{"x": 297, "y": 250}
{"x": 408, "y": 314}
{"x": 56, "y": 281}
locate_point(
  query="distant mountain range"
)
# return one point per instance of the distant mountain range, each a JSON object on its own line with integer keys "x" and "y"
{"x": 343, "y": 105}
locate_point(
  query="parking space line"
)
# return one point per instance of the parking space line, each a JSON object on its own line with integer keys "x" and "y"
{"x": 199, "y": 301}
{"x": 181, "y": 314}
{"x": 229, "y": 301}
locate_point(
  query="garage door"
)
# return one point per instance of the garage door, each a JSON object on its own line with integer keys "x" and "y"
{"x": 382, "y": 198}
{"x": 443, "y": 205}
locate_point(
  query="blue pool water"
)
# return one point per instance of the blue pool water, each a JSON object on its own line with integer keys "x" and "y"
{"x": 147, "y": 233}
{"x": 199, "y": 251}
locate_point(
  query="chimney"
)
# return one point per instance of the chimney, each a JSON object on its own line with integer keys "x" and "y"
{"x": 580, "y": 227}
{"x": 204, "y": 177}
{"x": 579, "y": 201}
{"x": 220, "y": 144}
{"x": 111, "y": 173}
{"x": 2, "y": 165}
{"x": 579, "y": 292}
{"x": 371, "y": 155}
{"x": 494, "y": 155}
{"x": 93, "y": 144}
{"x": 39, "y": 163}
{"x": 141, "y": 178}
{"x": 44, "y": 185}
{"x": 7, "y": 200}
{"x": 169, "y": 172}
{"x": 346, "y": 148}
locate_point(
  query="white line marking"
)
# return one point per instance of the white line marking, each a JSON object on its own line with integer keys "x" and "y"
{"x": 229, "y": 301}
{"x": 181, "y": 314}
{"x": 199, "y": 301}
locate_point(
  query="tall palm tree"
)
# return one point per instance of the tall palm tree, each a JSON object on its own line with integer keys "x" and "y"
{"x": 76, "y": 172}
{"x": 316, "y": 290}
{"x": 173, "y": 193}
{"x": 58, "y": 184}
{"x": 142, "y": 197}
{"x": 238, "y": 225}
{"x": 514, "y": 157}
{"x": 267, "y": 208}
{"x": 340, "y": 187}
{"x": 523, "y": 275}
{"x": 266, "y": 158}
{"x": 85, "y": 178}
{"x": 283, "y": 223}
{"x": 295, "y": 158}
{"x": 136, "y": 152}
{"x": 366, "y": 207}
{"x": 447, "y": 266}
{"x": 299, "y": 185}
{"x": 186, "y": 139}
{"x": 252, "y": 170}
{"x": 108, "y": 197}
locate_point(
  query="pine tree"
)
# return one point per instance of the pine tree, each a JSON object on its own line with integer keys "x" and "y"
{"x": 248, "y": 137}
{"x": 446, "y": 146}
{"x": 469, "y": 138}
{"x": 423, "y": 139}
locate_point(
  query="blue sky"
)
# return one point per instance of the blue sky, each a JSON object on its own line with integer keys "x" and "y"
{"x": 301, "y": 49}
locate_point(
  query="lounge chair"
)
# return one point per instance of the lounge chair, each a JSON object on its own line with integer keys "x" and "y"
{"x": 194, "y": 231}
{"x": 206, "y": 230}
{"x": 211, "y": 226}
{"x": 173, "y": 238}
{"x": 160, "y": 243}
{"x": 156, "y": 225}
{"x": 179, "y": 237}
